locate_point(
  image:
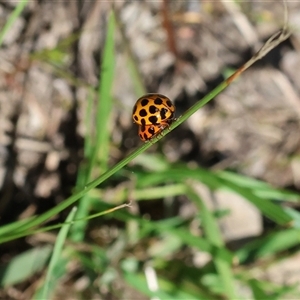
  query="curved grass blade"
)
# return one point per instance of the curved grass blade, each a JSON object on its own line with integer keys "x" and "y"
{"x": 214, "y": 236}
{"x": 55, "y": 261}
{"x": 98, "y": 156}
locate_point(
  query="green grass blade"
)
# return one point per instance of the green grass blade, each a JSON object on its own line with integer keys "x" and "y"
{"x": 56, "y": 256}
{"x": 295, "y": 215}
{"x": 210, "y": 225}
{"x": 100, "y": 148}
{"x": 213, "y": 234}
{"x": 258, "y": 292}
{"x": 188, "y": 288}
{"x": 142, "y": 194}
{"x": 259, "y": 188}
{"x": 216, "y": 181}
{"x": 268, "y": 208}
{"x": 56, "y": 226}
{"x": 12, "y": 18}
{"x": 105, "y": 100}
{"x": 24, "y": 265}
{"x": 269, "y": 245}
{"x": 16, "y": 226}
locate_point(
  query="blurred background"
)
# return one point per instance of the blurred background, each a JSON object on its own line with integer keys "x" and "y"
{"x": 51, "y": 71}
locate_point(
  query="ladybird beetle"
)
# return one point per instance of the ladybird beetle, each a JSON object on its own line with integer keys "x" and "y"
{"x": 147, "y": 132}
{"x": 153, "y": 109}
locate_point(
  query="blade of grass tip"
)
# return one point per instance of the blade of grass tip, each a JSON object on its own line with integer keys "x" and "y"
{"x": 56, "y": 256}
{"x": 52, "y": 227}
{"x": 213, "y": 234}
{"x": 272, "y": 43}
{"x": 12, "y": 18}
{"x": 104, "y": 107}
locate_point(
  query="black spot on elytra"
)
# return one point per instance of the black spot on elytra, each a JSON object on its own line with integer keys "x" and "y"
{"x": 143, "y": 122}
{"x": 153, "y": 109}
{"x": 153, "y": 120}
{"x": 136, "y": 118}
{"x": 151, "y": 130}
{"x": 158, "y": 101}
{"x": 143, "y": 113}
{"x": 144, "y": 102}
{"x": 169, "y": 103}
{"x": 163, "y": 113}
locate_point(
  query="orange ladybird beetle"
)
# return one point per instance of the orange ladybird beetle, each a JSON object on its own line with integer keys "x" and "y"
{"x": 153, "y": 113}
{"x": 153, "y": 109}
